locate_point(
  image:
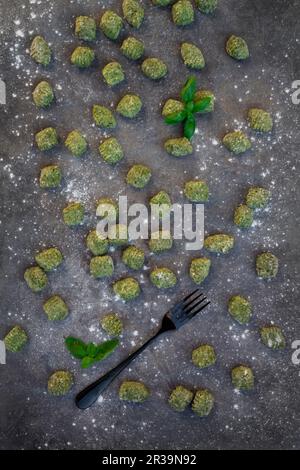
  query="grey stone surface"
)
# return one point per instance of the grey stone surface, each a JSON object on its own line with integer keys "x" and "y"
{"x": 31, "y": 218}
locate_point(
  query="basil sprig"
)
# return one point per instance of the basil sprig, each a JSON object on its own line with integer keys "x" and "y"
{"x": 90, "y": 353}
{"x": 191, "y": 107}
{"x": 188, "y": 91}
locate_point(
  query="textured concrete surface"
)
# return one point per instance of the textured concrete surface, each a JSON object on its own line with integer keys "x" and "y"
{"x": 31, "y": 218}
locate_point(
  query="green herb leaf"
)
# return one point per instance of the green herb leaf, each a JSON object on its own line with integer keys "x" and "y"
{"x": 106, "y": 349}
{"x": 175, "y": 118}
{"x": 87, "y": 362}
{"x": 76, "y": 347}
{"x": 189, "y": 106}
{"x": 189, "y": 126}
{"x": 189, "y": 90}
{"x": 91, "y": 350}
{"x": 90, "y": 353}
{"x": 202, "y": 104}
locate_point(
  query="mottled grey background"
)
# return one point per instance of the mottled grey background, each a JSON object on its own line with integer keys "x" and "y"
{"x": 31, "y": 219}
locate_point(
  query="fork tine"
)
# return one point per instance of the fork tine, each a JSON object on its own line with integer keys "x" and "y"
{"x": 183, "y": 311}
{"x": 185, "y": 318}
{"x": 194, "y": 306}
{"x": 193, "y": 313}
{"x": 186, "y": 305}
{"x": 190, "y": 295}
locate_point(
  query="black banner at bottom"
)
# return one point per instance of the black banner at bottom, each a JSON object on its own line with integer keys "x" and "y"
{"x": 108, "y": 458}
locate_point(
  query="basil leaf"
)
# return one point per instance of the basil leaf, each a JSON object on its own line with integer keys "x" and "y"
{"x": 189, "y": 127}
{"x": 90, "y": 353}
{"x": 190, "y": 106}
{"x": 87, "y": 362}
{"x": 189, "y": 90}
{"x": 175, "y": 118}
{"x": 91, "y": 350}
{"x": 106, "y": 349}
{"x": 76, "y": 347}
{"x": 202, "y": 104}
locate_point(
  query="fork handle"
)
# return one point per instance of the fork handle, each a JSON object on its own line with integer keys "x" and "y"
{"x": 91, "y": 393}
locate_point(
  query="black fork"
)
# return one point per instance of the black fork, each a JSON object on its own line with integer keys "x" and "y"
{"x": 180, "y": 314}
